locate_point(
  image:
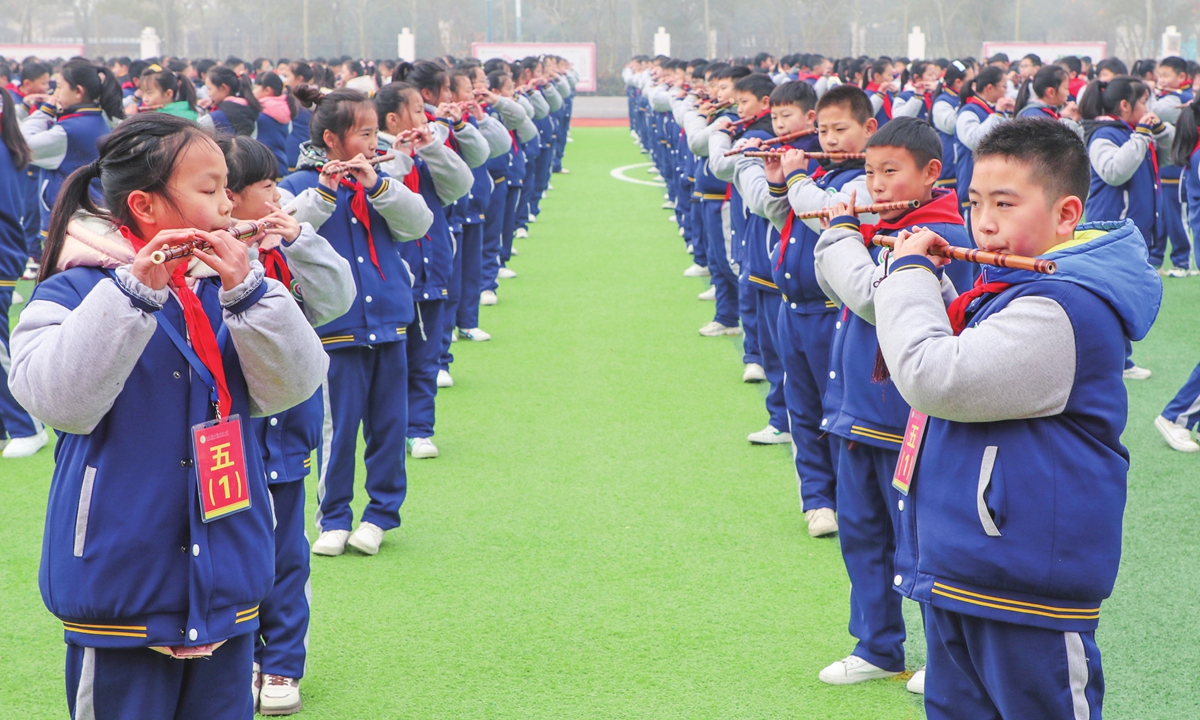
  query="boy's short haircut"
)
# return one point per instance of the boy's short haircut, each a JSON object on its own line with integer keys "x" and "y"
{"x": 758, "y": 84}
{"x": 1056, "y": 157}
{"x": 914, "y": 135}
{"x": 1176, "y": 63}
{"x": 1071, "y": 63}
{"x": 734, "y": 72}
{"x": 850, "y": 97}
{"x": 795, "y": 92}
{"x": 997, "y": 58}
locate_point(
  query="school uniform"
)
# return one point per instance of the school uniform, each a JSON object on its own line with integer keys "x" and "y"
{"x": 1167, "y": 105}
{"x": 943, "y": 115}
{"x": 31, "y": 217}
{"x": 274, "y": 124}
{"x": 714, "y": 196}
{"x": 62, "y": 143}
{"x": 508, "y": 173}
{"x": 366, "y": 345}
{"x": 976, "y": 118}
{"x": 1012, "y": 515}
{"x": 234, "y": 116}
{"x": 535, "y": 163}
{"x": 881, "y": 102}
{"x": 120, "y": 569}
{"x": 1037, "y": 109}
{"x": 15, "y": 421}
{"x": 1184, "y": 408}
{"x": 296, "y": 136}
{"x": 868, "y": 416}
{"x": 911, "y": 103}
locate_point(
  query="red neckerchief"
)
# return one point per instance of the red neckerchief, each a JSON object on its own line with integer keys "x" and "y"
{"x": 451, "y": 141}
{"x": 516, "y": 147}
{"x": 15, "y": 89}
{"x": 976, "y": 100}
{"x": 928, "y": 98}
{"x": 887, "y": 99}
{"x": 957, "y": 312}
{"x": 199, "y": 329}
{"x": 359, "y": 207}
{"x": 942, "y": 209}
{"x": 275, "y": 266}
{"x": 746, "y": 125}
{"x": 1050, "y": 111}
{"x": 786, "y": 232}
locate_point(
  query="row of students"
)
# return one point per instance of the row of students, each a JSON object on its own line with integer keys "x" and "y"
{"x": 836, "y": 379}
{"x": 367, "y": 261}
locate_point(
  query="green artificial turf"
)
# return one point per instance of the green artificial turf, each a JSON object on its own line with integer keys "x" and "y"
{"x": 598, "y": 539}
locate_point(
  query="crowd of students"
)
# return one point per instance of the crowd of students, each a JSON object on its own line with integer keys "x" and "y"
{"x": 192, "y": 371}
{"x": 955, "y": 423}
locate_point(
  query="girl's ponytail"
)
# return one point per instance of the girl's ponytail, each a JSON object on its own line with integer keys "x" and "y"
{"x": 968, "y": 89}
{"x": 185, "y": 90}
{"x": 98, "y": 83}
{"x": 110, "y": 98}
{"x": 1091, "y": 105}
{"x": 1187, "y": 136}
{"x": 74, "y": 195}
{"x": 10, "y": 132}
{"x": 245, "y": 90}
{"x": 1023, "y": 94}
{"x": 1104, "y": 98}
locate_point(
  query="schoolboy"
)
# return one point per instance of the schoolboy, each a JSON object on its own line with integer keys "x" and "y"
{"x": 1015, "y": 501}
{"x": 1171, "y": 96}
{"x": 863, "y": 409}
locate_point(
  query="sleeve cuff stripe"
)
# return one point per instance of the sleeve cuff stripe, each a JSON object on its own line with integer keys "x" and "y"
{"x": 383, "y": 186}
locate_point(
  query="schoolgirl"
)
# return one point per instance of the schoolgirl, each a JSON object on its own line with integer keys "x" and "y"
{"x": 275, "y": 120}
{"x": 158, "y": 545}
{"x": 1047, "y": 95}
{"x": 1124, "y": 143}
{"x": 166, "y": 92}
{"x": 297, "y": 73}
{"x": 538, "y": 107}
{"x": 983, "y": 104}
{"x": 33, "y": 79}
{"x": 508, "y": 175}
{"x": 943, "y": 115}
{"x": 435, "y": 171}
{"x": 322, "y": 284}
{"x": 917, "y": 98}
{"x": 1169, "y": 100}
{"x": 371, "y": 214}
{"x": 232, "y": 106}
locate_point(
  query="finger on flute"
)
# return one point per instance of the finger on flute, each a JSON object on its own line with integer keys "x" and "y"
{"x": 788, "y": 137}
{"x": 983, "y": 257}
{"x": 872, "y": 209}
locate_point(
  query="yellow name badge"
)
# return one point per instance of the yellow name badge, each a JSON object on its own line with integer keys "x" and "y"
{"x": 220, "y": 458}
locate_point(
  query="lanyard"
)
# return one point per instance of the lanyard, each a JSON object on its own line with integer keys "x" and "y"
{"x": 193, "y": 359}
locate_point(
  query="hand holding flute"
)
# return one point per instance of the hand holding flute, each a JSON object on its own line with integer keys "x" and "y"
{"x": 779, "y": 140}
{"x": 220, "y": 250}
{"x": 928, "y": 244}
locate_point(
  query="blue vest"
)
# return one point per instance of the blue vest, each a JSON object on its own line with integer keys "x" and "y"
{"x": 1137, "y": 199}
{"x": 85, "y": 127}
{"x": 949, "y": 144}
{"x": 708, "y": 185}
{"x": 274, "y": 135}
{"x": 12, "y": 206}
{"x": 126, "y": 559}
{"x": 965, "y": 167}
{"x": 745, "y": 227}
{"x": 299, "y": 134}
{"x": 430, "y": 258}
{"x": 472, "y": 207}
{"x": 383, "y": 304}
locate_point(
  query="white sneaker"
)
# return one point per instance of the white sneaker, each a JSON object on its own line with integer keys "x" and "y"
{"x": 421, "y": 449}
{"x": 31, "y": 271}
{"x": 716, "y": 329}
{"x": 668, "y": 205}
{"x": 367, "y": 538}
{"x": 474, "y": 334}
{"x": 710, "y": 294}
{"x": 331, "y": 543}
{"x": 506, "y": 274}
{"x": 1176, "y": 435}
{"x": 255, "y": 682}
{"x": 280, "y": 695}
{"x": 851, "y": 670}
{"x": 444, "y": 380}
{"x": 25, "y": 446}
{"x": 1136, "y": 373}
{"x": 695, "y": 270}
{"x": 769, "y": 436}
{"x": 571, "y": 139}
{"x": 672, "y": 218}
{"x": 513, "y": 252}
{"x": 18, "y": 298}
{"x": 1193, "y": 271}
{"x": 521, "y": 234}
{"x": 822, "y": 522}
{"x": 564, "y": 171}
{"x": 753, "y": 373}
{"x": 1176, "y": 272}
{"x": 916, "y": 683}
{"x": 487, "y": 297}
{"x": 532, "y": 218}
{"x": 681, "y": 232}
{"x": 689, "y": 249}
{"x": 453, "y": 337}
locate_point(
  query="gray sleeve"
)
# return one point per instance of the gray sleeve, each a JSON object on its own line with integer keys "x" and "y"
{"x": 720, "y": 166}
{"x": 496, "y": 135}
{"x": 969, "y": 130}
{"x": 752, "y": 184}
{"x": 660, "y": 99}
{"x": 324, "y": 277}
{"x": 527, "y": 106}
{"x": 451, "y": 176}
{"x": 46, "y": 140}
{"x": 910, "y": 107}
{"x": 555, "y": 101}
{"x": 1116, "y": 164}
{"x": 698, "y": 132}
{"x": 945, "y": 117}
{"x": 311, "y": 206}
{"x": 472, "y": 145}
{"x": 69, "y": 366}
{"x": 1018, "y": 363}
{"x": 1162, "y": 143}
{"x": 846, "y": 271}
{"x": 281, "y": 357}
{"x": 1166, "y": 107}
{"x": 1074, "y": 126}
{"x": 876, "y": 103}
{"x": 407, "y": 215}
{"x": 512, "y": 113}
{"x": 806, "y": 196}
{"x": 540, "y": 107}
{"x": 563, "y": 85}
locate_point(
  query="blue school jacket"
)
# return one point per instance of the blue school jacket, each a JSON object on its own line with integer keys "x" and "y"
{"x": 965, "y": 166}
{"x": 747, "y": 228}
{"x": 274, "y": 135}
{"x": 796, "y": 276}
{"x": 1190, "y": 192}
{"x": 387, "y": 314}
{"x": 299, "y": 134}
{"x": 949, "y": 144}
{"x": 234, "y": 118}
{"x": 1138, "y": 199}
{"x": 12, "y": 206}
{"x": 126, "y": 559}
{"x": 855, "y": 406}
{"x": 1020, "y": 521}
{"x": 85, "y": 126}
{"x": 508, "y": 170}
{"x": 430, "y": 258}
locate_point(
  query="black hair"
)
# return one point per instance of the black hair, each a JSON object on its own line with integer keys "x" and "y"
{"x": 495, "y": 79}
{"x": 140, "y": 154}
{"x": 137, "y": 67}
{"x": 795, "y": 92}
{"x": 757, "y": 84}
{"x": 1071, "y": 63}
{"x": 1114, "y": 65}
{"x": 271, "y": 80}
{"x": 1035, "y": 59}
{"x": 179, "y": 87}
{"x": 881, "y": 66}
{"x": 912, "y": 134}
{"x": 34, "y": 70}
{"x": 354, "y": 66}
{"x": 998, "y": 57}
{"x": 203, "y": 65}
{"x": 301, "y": 70}
{"x": 248, "y": 160}
{"x": 1187, "y": 136}
{"x": 1046, "y": 78}
{"x": 990, "y": 75}
{"x": 391, "y": 98}
{"x": 239, "y": 85}
{"x": 734, "y": 72}
{"x": 233, "y": 61}
{"x": 423, "y": 75}
{"x": 99, "y": 85}
{"x": 335, "y": 112}
{"x": 849, "y": 67}
{"x": 10, "y": 132}
{"x": 1142, "y": 68}
{"x": 850, "y": 97}
{"x": 1104, "y": 98}
{"x": 955, "y": 71}
{"x": 713, "y": 68}
{"x": 1056, "y": 157}
{"x": 1174, "y": 62}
